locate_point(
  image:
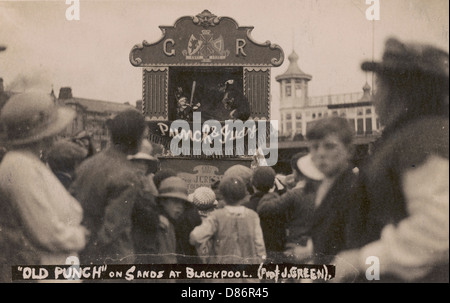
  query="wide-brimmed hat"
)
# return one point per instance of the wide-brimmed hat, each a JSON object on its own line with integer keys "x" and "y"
{"x": 173, "y": 187}
{"x": 401, "y": 57}
{"x": 30, "y": 117}
{"x": 307, "y": 167}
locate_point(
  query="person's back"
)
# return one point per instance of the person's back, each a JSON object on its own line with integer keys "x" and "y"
{"x": 298, "y": 206}
{"x": 273, "y": 224}
{"x": 234, "y": 230}
{"x": 236, "y": 234}
{"x": 103, "y": 191}
{"x": 107, "y": 186}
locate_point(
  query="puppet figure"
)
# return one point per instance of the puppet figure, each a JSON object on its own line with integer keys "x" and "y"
{"x": 235, "y": 101}
{"x": 184, "y": 107}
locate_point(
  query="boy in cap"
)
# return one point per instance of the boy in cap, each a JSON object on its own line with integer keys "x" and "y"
{"x": 401, "y": 210}
{"x": 235, "y": 230}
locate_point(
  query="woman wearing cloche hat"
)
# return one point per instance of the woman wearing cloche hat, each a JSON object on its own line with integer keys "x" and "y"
{"x": 39, "y": 219}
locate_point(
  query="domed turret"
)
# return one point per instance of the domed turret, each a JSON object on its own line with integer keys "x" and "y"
{"x": 293, "y": 71}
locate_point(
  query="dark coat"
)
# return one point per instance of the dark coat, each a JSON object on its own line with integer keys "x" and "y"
{"x": 379, "y": 199}
{"x": 272, "y": 220}
{"x": 145, "y": 218}
{"x": 329, "y": 220}
{"x": 254, "y": 201}
{"x": 107, "y": 185}
{"x": 272, "y": 223}
{"x": 298, "y": 205}
{"x": 190, "y": 218}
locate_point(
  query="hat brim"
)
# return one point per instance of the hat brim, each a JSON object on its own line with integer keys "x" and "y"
{"x": 371, "y": 66}
{"x": 175, "y": 195}
{"x": 142, "y": 157}
{"x": 380, "y": 67}
{"x": 307, "y": 167}
{"x": 401, "y": 68}
{"x": 64, "y": 117}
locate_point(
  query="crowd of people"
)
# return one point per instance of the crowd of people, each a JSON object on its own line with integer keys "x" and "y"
{"x": 58, "y": 198}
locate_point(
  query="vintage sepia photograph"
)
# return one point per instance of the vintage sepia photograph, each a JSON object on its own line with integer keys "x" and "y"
{"x": 201, "y": 144}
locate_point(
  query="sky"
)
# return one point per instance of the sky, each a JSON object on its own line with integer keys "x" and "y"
{"x": 91, "y": 55}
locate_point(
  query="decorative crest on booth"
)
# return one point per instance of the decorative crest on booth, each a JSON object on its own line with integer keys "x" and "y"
{"x": 206, "y": 40}
{"x": 206, "y": 19}
{"x": 206, "y": 47}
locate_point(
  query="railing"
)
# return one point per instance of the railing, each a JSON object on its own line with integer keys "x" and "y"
{"x": 335, "y": 99}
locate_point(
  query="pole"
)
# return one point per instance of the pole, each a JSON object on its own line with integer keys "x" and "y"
{"x": 192, "y": 93}
{"x": 373, "y": 53}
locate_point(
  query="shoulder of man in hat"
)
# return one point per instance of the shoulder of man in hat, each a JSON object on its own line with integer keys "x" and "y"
{"x": 111, "y": 170}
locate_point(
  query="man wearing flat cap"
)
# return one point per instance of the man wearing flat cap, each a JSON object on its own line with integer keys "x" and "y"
{"x": 400, "y": 211}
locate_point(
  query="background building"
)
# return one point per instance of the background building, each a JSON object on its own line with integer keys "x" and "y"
{"x": 298, "y": 110}
{"x": 91, "y": 116}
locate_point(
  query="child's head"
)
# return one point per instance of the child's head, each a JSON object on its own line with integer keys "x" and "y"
{"x": 173, "y": 197}
{"x": 244, "y": 172}
{"x": 263, "y": 178}
{"x": 232, "y": 189}
{"x": 204, "y": 199}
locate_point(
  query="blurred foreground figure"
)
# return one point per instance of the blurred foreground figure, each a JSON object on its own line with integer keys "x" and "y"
{"x": 401, "y": 211}
{"x": 39, "y": 219}
{"x": 108, "y": 186}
